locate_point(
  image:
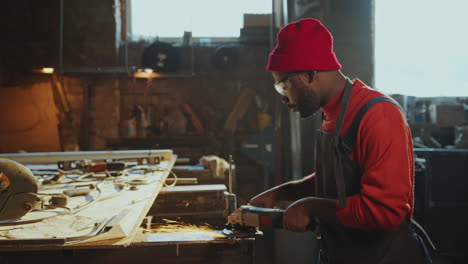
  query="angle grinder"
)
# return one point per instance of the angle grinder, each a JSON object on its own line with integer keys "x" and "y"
{"x": 245, "y": 221}
{"x": 18, "y": 190}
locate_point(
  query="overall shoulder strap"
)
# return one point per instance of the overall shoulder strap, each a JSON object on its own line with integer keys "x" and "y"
{"x": 344, "y": 105}
{"x": 351, "y": 134}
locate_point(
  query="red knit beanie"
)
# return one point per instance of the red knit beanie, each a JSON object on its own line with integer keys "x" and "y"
{"x": 303, "y": 45}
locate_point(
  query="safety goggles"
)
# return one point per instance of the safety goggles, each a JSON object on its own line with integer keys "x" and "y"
{"x": 283, "y": 86}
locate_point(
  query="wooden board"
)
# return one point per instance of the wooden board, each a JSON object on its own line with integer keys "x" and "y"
{"x": 54, "y": 157}
{"x": 117, "y": 214}
{"x": 195, "y": 188}
{"x": 181, "y": 238}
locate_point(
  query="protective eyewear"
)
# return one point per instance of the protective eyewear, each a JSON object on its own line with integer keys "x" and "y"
{"x": 282, "y": 86}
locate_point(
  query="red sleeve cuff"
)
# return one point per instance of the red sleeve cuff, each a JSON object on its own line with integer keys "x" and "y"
{"x": 342, "y": 213}
{"x": 311, "y": 178}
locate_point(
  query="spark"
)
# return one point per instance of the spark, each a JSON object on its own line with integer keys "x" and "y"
{"x": 172, "y": 226}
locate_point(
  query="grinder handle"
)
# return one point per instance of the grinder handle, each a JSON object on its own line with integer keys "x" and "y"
{"x": 269, "y": 217}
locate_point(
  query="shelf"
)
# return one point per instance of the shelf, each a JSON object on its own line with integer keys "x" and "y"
{"x": 123, "y": 70}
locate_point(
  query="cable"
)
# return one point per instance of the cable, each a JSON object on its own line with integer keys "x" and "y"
{"x": 152, "y": 169}
{"x": 31, "y": 221}
{"x": 175, "y": 180}
{"x": 68, "y": 211}
{"x": 81, "y": 207}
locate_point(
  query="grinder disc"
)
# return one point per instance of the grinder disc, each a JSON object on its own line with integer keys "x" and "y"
{"x": 241, "y": 232}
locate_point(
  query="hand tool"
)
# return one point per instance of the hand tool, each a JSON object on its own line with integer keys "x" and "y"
{"x": 79, "y": 191}
{"x": 59, "y": 200}
{"x": 99, "y": 167}
{"x": 246, "y": 220}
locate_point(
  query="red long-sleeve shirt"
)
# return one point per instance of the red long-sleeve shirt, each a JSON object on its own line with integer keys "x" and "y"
{"x": 384, "y": 152}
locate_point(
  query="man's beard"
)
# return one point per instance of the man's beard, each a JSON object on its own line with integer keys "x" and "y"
{"x": 308, "y": 102}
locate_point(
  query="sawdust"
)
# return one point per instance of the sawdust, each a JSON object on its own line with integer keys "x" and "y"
{"x": 172, "y": 226}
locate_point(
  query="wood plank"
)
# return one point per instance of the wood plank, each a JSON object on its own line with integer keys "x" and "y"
{"x": 182, "y": 181}
{"x": 54, "y": 157}
{"x": 216, "y": 236}
{"x": 127, "y": 208}
{"x": 139, "y": 208}
{"x": 194, "y": 188}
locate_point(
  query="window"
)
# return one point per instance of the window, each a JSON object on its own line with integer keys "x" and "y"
{"x": 204, "y": 18}
{"x": 421, "y": 47}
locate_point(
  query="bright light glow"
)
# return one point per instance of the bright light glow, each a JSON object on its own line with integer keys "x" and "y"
{"x": 421, "y": 47}
{"x": 48, "y": 70}
{"x": 146, "y": 73}
{"x": 45, "y": 70}
{"x": 204, "y": 18}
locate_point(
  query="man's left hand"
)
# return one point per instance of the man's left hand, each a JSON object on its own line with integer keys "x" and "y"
{"x": 296, "y": 217}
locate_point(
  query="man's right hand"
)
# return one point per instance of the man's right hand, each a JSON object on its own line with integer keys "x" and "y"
{"x": 266, "y": 199}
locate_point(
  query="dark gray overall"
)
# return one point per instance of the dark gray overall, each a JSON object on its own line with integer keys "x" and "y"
{"x": 337, "y": 177}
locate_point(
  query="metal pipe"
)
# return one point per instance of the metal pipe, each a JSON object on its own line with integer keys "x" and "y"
{"x": 127, "y": 34}
{"x": 230, "y": 174}
{"x": 272, "y": 24}
{"x": 54, "y": 157}
{"x": 61, "y": 39}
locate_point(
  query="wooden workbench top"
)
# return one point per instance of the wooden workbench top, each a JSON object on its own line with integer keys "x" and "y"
{"x": 111, "y": 221}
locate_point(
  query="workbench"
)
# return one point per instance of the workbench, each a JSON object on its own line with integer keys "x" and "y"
{"x": 111, "y": 227}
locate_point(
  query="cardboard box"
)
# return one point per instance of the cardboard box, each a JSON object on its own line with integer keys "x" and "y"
{"x": 450, "y": 115}
{"x": 257, "y": 20}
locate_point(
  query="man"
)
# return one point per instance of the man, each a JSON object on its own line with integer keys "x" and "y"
{"x": 362, "y": 191}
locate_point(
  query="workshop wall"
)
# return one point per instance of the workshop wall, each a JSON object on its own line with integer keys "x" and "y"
{"x": 90, "y": 34}
{"x": 210, "y": 92}
{"x": 71, "y": 125}
{"x": 103, "y": 115}
{"x": 28, "y": 118}
{"x": 91, "y": 42}
{"x": 102, "y": 101}
{"x": 90, "y": 38}
{"x": 31, "y": 36}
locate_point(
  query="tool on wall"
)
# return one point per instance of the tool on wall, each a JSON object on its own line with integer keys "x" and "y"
{"x": 109, "y": 165}
{"x": 62, "y": 97}
{"x": 239, "y": 109}
{"x": 197, "y": 124}
{"x": 161, "y": 57}
{"x": 225, "y": 57}
{"x": 231, "y": 198}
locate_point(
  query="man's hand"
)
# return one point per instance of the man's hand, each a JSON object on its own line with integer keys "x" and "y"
{"x": 266, "y": 199}
{"x": 297, "y": 217}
